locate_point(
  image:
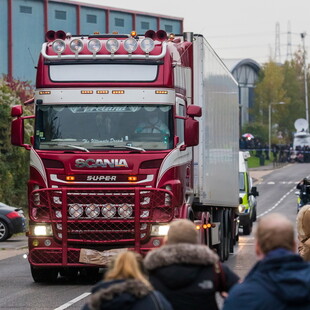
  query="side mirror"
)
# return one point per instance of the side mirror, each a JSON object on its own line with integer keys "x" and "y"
{"x": 17, "y": 111}
{"x": 193, "y": 111}
{"x": 191, "y": 135}
{"x": 254, "y": 191}
{"x": 17, "y": 132}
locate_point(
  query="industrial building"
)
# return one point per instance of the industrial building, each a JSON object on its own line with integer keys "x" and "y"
{"x": 23, "y": 24}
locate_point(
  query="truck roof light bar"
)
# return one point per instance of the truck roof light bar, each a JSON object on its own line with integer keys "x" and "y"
{"x": 94, "y": 46}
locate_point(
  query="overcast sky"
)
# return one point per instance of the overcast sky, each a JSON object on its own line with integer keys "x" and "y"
{"x": 235, "y": 28}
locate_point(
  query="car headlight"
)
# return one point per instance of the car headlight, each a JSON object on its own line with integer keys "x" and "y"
{"x": 241, "y": 208}
{"x": 42, "y": 230}
{"x": 160, "y": 230}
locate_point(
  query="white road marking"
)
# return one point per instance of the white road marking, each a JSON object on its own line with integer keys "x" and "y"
{"x": 73, "y": 301}
{"x": 278, "y": 202}
{"x": 271, "y": 182}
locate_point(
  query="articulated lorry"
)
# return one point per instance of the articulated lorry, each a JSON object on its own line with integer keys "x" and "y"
{"x": 130, "y": 133}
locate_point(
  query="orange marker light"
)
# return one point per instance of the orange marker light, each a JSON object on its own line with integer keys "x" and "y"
{"x": 162, "y": 92}
{"x": 132, "y": 178}
{"x": 84, "y": 92}
{"x": 198, "y": 227}
{"x": 45, "y": 92}
{"x": 70, "y": 178}
{"x": 118, "y": 92}
{"x": 102, "y": 92}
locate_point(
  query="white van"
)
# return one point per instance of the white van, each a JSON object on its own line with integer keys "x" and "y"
{"x": 247, "y": 195}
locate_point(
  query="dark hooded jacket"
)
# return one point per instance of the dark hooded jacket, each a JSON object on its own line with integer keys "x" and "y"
{"x": 188, "y": 275}
{"x": 281, "y": 281}
{"x": 125, "y": 295}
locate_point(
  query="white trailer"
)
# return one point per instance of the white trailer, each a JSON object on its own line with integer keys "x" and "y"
{"x": 216, "y": 157}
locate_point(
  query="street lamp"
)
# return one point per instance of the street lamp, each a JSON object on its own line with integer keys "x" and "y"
{"x": 303, "y": 35}
{"x": 269, "y": 117}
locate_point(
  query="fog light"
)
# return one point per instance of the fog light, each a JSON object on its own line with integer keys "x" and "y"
{"x": 47, "y": 242}
{"x": 35, "y": 242}
{"x": 156, "y": 242}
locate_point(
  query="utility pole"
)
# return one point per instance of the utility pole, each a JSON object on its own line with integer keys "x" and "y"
{"x": 277, "y": 55}
{"x": 303, "y": 35}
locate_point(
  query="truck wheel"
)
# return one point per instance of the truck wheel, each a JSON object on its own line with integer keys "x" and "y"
{"x": 4, "y": 231}
{"x": 44, "y": 275}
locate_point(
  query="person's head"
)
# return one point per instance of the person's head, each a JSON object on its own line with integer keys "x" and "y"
{"x": 306, "y": 181}
{"x": 182, "y": 231}
{"x": 127, "y": 265}
{"x": 274, "y": 231}
{"x": 303, "y": 222}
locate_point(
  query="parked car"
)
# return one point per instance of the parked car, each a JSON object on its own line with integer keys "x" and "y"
{"x": 12, "y": 221}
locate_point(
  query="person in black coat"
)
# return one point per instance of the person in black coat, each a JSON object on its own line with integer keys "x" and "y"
{"x": 187, "y": 273}
{"x": 125, "y": 287}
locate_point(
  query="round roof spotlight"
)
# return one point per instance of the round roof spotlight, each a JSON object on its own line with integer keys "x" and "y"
{"x": 50, "y": 35}
{"x": 94, "y": 46}
{"x": 130, "y": 45}
{"x": 112, "y": 45}
{"x": 147, "y": 45}
{"x": 76, "y": 45}
{"x": 59, "y": 46}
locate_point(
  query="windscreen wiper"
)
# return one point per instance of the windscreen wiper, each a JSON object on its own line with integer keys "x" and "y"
{"x": 135, "y": 148}
{"x": 78, "y": 147}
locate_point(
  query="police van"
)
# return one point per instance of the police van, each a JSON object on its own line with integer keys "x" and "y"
{"x": 247, "y": 195}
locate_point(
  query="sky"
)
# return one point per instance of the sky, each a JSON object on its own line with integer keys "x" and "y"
{"x": 236, "y": 29}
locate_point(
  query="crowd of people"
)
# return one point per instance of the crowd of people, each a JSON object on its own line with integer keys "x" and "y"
{"x": 183, "y": 274}
{"x": 281, "y": 152}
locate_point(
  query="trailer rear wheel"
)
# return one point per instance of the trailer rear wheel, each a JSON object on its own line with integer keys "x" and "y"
{"x": 223, "y": 247}
{"x": 44, "y": 275}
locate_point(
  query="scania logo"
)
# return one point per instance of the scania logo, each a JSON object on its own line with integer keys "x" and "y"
{"x": 102, "y": 163}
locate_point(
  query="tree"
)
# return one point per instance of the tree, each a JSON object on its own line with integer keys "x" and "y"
{"x": 13, "y": 170}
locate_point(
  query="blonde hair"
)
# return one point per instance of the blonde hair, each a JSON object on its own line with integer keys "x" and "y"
{"x": 127, "y": 265}
{"x": 275, "y": 231}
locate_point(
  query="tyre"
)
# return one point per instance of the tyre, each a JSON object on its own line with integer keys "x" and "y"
{"x": 247, "y": 227}
{"x": 254, "y": 215}
{"x": 4, "y": 231}
{"x": 44, "y": 275}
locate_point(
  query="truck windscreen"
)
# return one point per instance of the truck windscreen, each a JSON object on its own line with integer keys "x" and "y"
{"x": 95, "y": 127}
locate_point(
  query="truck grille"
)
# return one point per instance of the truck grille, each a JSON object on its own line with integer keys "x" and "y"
{"x": 101, "y": 216}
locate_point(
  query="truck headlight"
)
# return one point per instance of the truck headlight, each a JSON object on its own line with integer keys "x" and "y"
{"x": 42, "y": 230}
{"x": 159, "y": 230}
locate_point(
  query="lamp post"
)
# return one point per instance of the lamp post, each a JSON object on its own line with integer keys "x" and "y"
{"x": 269, "y": 123}
{"x": 303, "y": 35}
